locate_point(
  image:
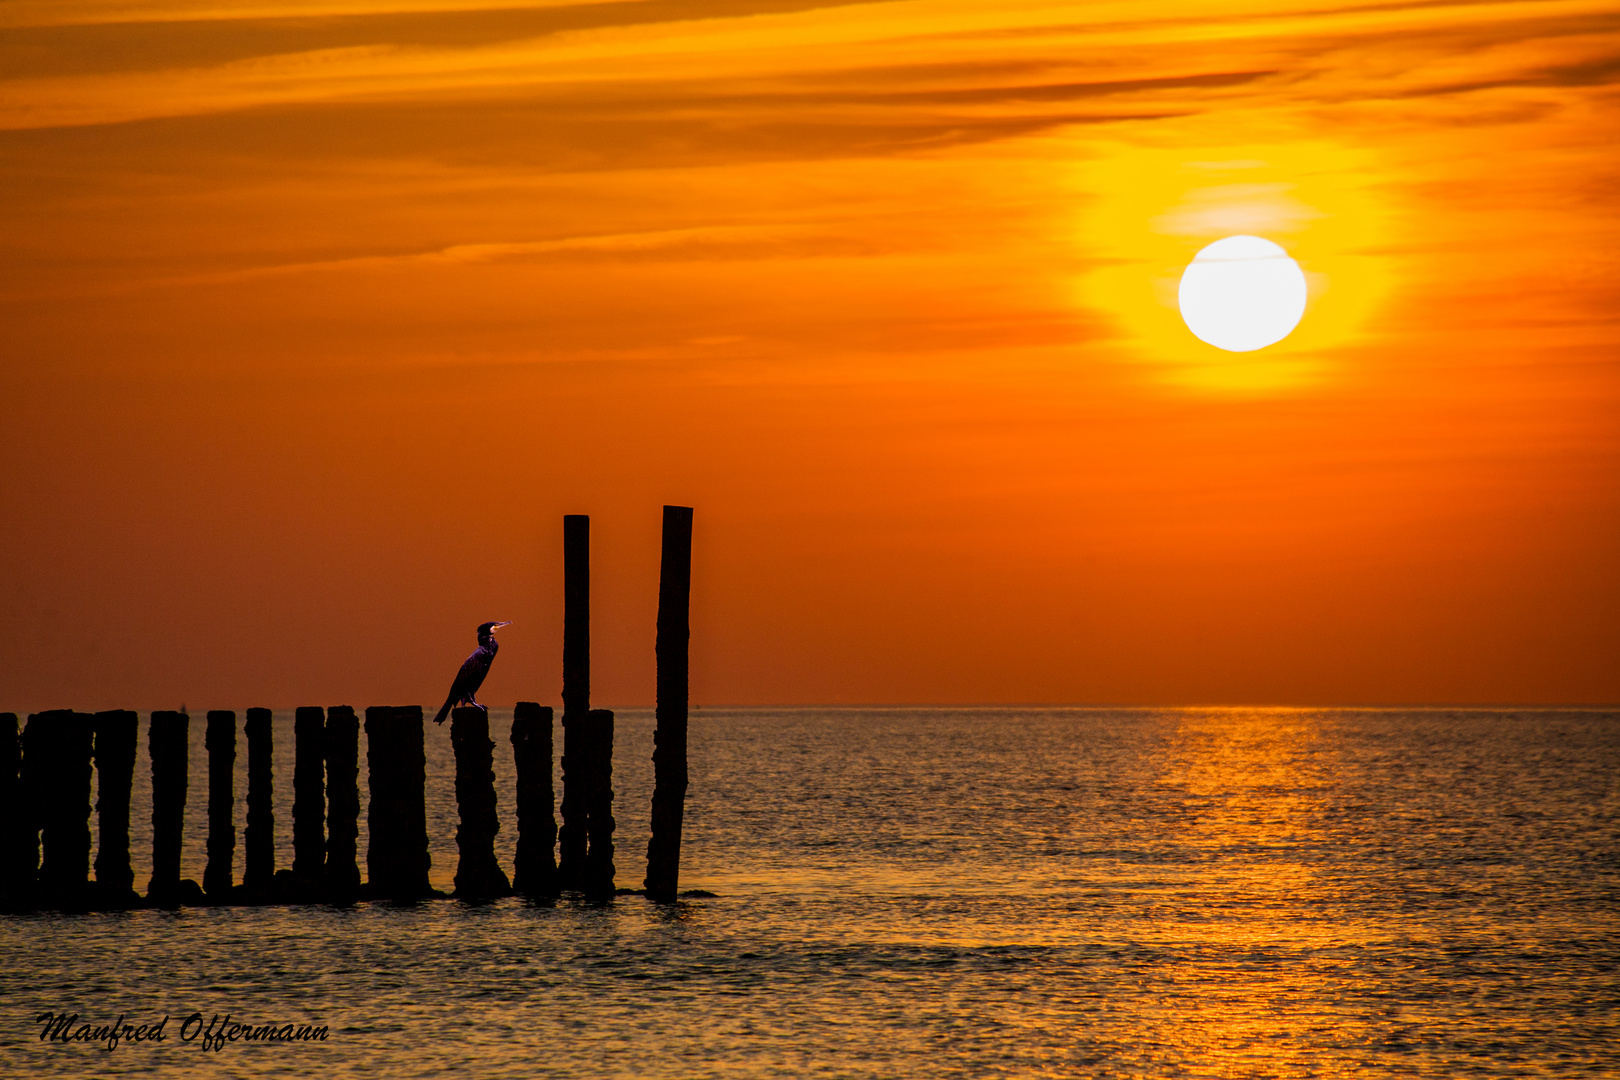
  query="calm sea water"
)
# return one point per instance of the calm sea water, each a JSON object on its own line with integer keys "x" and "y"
{"x": 943, "y": 893}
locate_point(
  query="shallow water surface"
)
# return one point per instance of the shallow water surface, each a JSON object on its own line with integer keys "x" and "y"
{"x": 931, "y": 892}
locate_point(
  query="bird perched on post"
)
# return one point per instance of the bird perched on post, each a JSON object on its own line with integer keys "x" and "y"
{"x": 473, "y": 669}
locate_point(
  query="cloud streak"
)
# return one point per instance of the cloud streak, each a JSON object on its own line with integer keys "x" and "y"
{"x": 775, "y": 58}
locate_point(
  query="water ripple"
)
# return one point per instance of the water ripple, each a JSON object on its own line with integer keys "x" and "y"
{"x": 952, "y": 893}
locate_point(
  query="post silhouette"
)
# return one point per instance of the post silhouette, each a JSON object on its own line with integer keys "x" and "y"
{"x": 259, "y": 838}
{"x": 168, "y": 744}
{"x": 32, "y": 791}
{"x": 478, "y": 875}
{"x": 64, "y": 839}
{"x": 413, "y": 767}
{"x": 669, "y": 738}
{"x": 397, "y": 859}
{"x": 19, "y": 855}
{"x": 599, "y": 870}
{"x": 220, "y": 742}
{"x": 576, "y": 695}
{"x": 61, "y": 743}
{"x": 342, "y": 802}
{"x": 385, "y": 806}
{"x": 534, "y": 869}
{"x": 115, "y": 738}
{"x": 309, "y": 797}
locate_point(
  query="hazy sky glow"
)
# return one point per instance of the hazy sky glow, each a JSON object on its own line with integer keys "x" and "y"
{"x": 318, "y": 316}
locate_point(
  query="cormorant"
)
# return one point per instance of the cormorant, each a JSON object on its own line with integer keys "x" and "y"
{"x": 473, "y": 670}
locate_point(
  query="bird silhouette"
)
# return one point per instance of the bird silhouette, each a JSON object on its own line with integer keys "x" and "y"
{"x": 473, "y": 669}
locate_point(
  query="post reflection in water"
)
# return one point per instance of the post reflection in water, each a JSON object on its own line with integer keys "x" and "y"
{"x": 954, "y": 892}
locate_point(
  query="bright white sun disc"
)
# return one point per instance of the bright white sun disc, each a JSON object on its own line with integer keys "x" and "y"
{"x": 1242, "y": 293}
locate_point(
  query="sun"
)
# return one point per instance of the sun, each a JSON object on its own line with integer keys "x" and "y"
{"x": 1307, "y": 220}
{"x": 1242, "y": 293}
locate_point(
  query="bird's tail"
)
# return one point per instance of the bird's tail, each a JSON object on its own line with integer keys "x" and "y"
{"x": 445, "y": 708}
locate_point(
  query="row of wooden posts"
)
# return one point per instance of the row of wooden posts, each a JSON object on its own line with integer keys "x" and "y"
{"x": 45, "y": 777}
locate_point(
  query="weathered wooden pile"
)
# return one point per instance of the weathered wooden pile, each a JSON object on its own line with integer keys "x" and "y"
{"x": 46, "y": 770}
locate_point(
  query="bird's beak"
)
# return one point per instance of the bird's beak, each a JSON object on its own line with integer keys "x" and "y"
{"x": 498, "y": 625}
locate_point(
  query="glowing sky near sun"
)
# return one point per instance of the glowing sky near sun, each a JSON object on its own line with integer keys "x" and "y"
{"x": 319, "y": 315}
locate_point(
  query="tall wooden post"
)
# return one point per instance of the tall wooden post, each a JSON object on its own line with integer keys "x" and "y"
{"x": 534, "y": 869}
{"x": 397, "y": 859}
{"x": 115, "y": 735}
{"x": 599, "y": 870}
{"x": 478, "y": 875}
{"x": 220, "y": 742}
{"x": 19, "y": 851}
{"x": 342, "y": 802}
{"x": 259, "y": 839}
{"x": 168, "y": 744}
{"x": 669, "y": 739}
{"x": 309, "y": 797}
{"x": 576, "y": 695}
{"x": 65, "y": 742}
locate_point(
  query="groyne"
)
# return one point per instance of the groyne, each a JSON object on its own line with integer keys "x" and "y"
{"x": 47, "y": 766}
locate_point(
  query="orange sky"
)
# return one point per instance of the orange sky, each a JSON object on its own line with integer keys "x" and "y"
{"x": 319, "y": 314}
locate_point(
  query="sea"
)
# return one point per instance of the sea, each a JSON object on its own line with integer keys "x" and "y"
{"x": 932, "y": 892}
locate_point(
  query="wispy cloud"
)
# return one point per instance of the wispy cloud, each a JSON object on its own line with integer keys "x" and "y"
{"x": 867, "y": 56}
{"x": 19, "y": 13}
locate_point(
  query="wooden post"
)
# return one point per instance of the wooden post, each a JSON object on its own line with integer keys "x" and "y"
{"x": 478, "y": 875}
{"x": 576, "y": 690}
{"x": 19, "y": 854}
{"x": 599, "y": 869}
{"x": 576, "y": 695}
{"x": 168, "y": 744}
{"x": 574, "y": 805}
{"x": 309, "y": 797}
{"x": 66, "y": 740}
{"x": 669, "y": 738}
{"x": 397, "y": 860}
{"x": 342, "y": 802}
{"x": 385, "y": 805}
{"x": 32, "y": 792}
{"x": 534, "y": 869}
{"x": 416, "y": 856}
{"x": 219, "y": 739}
{"x": 259, "y": 839}
{"x": 115, "y": 735}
